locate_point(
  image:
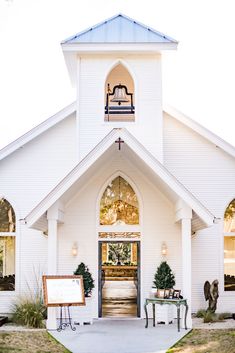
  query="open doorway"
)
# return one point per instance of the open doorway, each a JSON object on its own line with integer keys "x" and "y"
{"x": 119, "y": 279}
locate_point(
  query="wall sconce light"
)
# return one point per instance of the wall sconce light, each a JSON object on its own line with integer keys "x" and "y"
{"x": 75, "y": 249}
{"x": 164, "y": 249}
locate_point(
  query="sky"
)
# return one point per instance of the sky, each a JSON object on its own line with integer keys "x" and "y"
{"x": 198, "y": 78}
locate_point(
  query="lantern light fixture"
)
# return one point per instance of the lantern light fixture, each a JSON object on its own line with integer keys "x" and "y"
{"x": 75, "y": 249}
{"x": 164, "y": 249}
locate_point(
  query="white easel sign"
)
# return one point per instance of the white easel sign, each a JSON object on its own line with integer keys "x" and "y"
{"x": 63, "y": 290}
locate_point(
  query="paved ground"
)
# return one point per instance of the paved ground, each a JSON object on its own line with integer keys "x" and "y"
{"x": 119, "y": 336}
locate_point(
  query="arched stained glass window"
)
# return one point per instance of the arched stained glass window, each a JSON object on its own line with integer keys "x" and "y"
{"x": 229, "y": 247}
{"x": 7, "y": 216}
{"x": 229, "y": 217}
{"x": 119, "y": 204}
{"x": 7, "y": 246}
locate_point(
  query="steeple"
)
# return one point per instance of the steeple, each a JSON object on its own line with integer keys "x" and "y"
{"x": 119, "y": 34}
{"x": 116, "y": 67}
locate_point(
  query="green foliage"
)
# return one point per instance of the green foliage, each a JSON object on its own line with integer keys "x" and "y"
{"x": 200, "y": 313}
{"x": 164, "y": 278}
{"x": 119, "y": 252}
{"x": 88, "y": 281}
{"x": 208, "y": 316}
{"x": 223, "y": 316}
{"x": 28, "y": 312}
{"x": 212, "y": 317}
{"x": 108, "y": 263}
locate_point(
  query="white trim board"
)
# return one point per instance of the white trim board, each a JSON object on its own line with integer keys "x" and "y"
{"x": 143, "y": 154}
{"x": 201, "y": 130}
{"x": 38, "y": 130}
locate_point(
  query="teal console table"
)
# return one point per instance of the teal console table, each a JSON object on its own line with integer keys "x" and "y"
{"x": 176, "y": 302}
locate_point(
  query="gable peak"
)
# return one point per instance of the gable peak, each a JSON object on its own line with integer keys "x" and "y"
{"x": 119, "y": 29}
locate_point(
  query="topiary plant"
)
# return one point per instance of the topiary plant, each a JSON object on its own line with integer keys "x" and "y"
{"x": 88, "y": 281}
{"x": 164, "y": 278}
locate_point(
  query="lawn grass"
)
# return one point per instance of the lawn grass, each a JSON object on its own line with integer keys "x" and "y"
{"x": 206, "y": 341}
{"x": 29, "y": 342}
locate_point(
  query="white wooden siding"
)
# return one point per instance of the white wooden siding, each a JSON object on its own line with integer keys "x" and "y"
{"x": 208, "y": 172}
{"x": 26, "y": 176}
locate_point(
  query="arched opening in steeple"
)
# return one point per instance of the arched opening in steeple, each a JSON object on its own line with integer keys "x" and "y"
{"x": 119, "y": 95}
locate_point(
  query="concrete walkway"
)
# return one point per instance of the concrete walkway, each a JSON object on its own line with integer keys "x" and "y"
{"x": 119, "y": 336}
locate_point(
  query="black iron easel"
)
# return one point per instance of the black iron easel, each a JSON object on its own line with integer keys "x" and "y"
{"x": 67, "y": 320}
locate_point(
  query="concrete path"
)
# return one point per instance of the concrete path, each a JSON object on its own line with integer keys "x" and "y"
{"x": 119, "y": 336}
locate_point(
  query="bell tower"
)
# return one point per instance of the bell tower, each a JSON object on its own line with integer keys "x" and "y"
{"x": 116, "y": 68}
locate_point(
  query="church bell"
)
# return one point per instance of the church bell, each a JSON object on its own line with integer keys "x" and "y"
{"x": 120, "y": 94}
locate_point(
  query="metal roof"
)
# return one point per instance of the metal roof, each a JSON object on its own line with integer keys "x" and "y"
{"x": 119, "y": 29}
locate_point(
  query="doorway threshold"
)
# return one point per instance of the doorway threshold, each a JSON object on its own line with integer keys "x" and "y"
{"x": 116, "y": 318}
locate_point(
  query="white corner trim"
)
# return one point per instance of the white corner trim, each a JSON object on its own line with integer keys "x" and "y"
{"x": 201, "y": 130}
{"x": 182, "y": 211}
{"x": 36, "y": 131}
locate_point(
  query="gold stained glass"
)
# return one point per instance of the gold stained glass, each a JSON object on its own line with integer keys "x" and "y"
{"x": 124, "y": 235}
{"x": 229, "y": 263}
{"x": 229, "y": 217}
{"x": 229, "y": 247}
{"x": 7, "y": 216}
{"x": 119, "y": 204}
{"x": 7, "y": 263}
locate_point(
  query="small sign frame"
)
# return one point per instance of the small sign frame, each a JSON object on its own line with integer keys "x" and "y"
{"x": 63, "y": 290}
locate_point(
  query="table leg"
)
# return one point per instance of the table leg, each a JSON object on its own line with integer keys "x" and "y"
{"x": 185, "y": 316}
{"x": 153, "y": 315}
{"x": 178, "y": 317}
{"x": 146, "y": 315}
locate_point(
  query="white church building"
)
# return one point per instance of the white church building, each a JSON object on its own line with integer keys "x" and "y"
{"x": 117, "y": 168}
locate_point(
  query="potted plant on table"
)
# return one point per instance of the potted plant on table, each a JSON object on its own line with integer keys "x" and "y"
{"x": 83, "y": 314}
{"x": 164, "y": 279}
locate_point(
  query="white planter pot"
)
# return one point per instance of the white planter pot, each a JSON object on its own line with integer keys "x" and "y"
{"x": 83, "y": 314}
{"x": 153, "y": 292}
{"x": 164, "y": 313}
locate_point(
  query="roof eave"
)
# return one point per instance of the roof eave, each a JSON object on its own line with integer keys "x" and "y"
{"x": 84, "y": 48}
{"x": 201, "y": 130}
{"x": 38, "y": 130}
{"x": 154, "y": 164}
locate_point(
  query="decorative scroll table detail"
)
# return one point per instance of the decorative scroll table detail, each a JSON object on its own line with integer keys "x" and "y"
{"x": 161, "y": 301}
